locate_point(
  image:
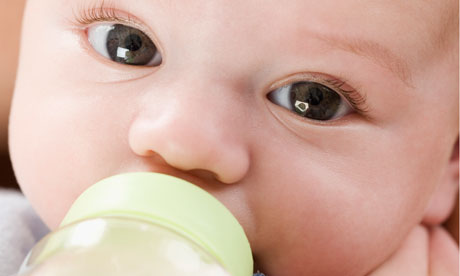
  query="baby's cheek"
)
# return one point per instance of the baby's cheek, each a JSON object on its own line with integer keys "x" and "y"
{"x": 60, "y": 146}
{"x": 330, "y": 218}
{"x": 329, "y": 237}
{"x": 46, "y": 159}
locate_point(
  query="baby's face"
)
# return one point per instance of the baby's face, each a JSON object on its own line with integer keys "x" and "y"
{"x": 324, "y": 126}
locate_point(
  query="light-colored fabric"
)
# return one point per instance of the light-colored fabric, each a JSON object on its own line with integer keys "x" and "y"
{"x": 20, "y": 229}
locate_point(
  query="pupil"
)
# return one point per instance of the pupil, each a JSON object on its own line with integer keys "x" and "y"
{"x": 313, "y": 100}
{"x": 316, "y": 96}
{"x": 133, "y": 42}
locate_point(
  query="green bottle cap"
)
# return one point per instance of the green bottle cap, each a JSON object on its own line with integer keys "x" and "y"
{"x": 172, "y": 203}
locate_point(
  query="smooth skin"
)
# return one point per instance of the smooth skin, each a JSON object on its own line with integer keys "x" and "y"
{"x": 359, "y": 195}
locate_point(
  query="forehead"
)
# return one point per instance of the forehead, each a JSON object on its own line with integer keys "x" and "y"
{"x": 398, "y": 34}
{"x": 343, "y": 15}
{"x": 402, "y": 25}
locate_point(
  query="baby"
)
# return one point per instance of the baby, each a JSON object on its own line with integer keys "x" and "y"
{"x": 328, "y": 128}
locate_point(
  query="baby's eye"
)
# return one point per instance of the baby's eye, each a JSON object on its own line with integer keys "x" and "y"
{"x": 124, "y": 44}
{"x": 311, "y": 100}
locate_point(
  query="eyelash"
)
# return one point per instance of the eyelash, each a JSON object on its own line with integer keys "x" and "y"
{"x": 356, "y": 100}
{"x": 104, "y": 12}
{"x": 101, "y": 12}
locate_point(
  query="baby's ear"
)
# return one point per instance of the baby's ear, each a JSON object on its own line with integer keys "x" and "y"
{"x": 443, "y": 200}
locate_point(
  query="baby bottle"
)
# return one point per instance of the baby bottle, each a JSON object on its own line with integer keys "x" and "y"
{"x": 143, "y": 224}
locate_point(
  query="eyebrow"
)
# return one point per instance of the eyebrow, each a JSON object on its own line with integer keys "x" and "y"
{"x": 374, "y": 51}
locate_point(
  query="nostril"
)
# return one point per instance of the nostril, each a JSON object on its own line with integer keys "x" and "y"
{"x": 205, "y": 175}
{"x": 153, "y": 157}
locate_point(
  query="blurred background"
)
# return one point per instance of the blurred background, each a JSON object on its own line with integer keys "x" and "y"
{"x": 10, "y": 24}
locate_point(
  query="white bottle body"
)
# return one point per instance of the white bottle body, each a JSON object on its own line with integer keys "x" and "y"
{"x": 119, "y": 246}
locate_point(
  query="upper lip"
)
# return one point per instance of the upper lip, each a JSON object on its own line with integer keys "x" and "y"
{"x": 188, "y": 176}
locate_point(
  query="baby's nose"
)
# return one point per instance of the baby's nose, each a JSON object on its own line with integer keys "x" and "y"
{"x": 194, "y": 129}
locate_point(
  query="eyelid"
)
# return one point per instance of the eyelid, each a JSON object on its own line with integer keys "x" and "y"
{"x": 353, "y": 97}
{"x": 105, "y": 12}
